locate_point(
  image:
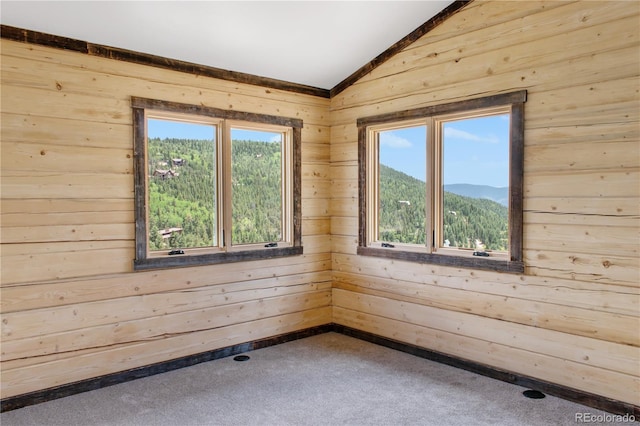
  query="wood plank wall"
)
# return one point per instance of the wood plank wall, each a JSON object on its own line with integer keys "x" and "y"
{"x": 573, "y": 317}
{"x": 72, "y": 308}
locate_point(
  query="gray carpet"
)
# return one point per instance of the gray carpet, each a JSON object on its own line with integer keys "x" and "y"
{"x": 329, "y": 379}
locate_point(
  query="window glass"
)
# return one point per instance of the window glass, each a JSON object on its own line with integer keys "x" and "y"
{"x": 257, "y": 191}
{"x": 181, "y": 160}
{"x": 443, "y": 184}
{"x": 402, "y": 185}
{"x": 475, "y": 183}
{"x": 214, "y": 186}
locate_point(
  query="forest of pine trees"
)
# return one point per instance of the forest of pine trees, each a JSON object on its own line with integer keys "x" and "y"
{"x": 185, "y": 199}
{"x": 403, "y": 216}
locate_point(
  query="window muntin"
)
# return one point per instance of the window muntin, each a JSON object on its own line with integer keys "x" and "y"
{"x": 454, "y": 155}
{"x": 187, "y": 209}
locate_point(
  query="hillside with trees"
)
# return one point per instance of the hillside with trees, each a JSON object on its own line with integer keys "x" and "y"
{"x": 182, "y": 193}
{"x": 182, "y": 196}
{"x": 466, "y": 219}
{"x": 499, "y": 195}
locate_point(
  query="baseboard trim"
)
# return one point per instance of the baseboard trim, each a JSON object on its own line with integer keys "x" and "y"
{"x": 69, "y": 389}
{"x": 581, "y": 397}
{"x": 574, "y": 395}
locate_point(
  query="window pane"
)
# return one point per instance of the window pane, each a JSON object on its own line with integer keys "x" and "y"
{"x": 256, "y": 180}
{"x": 475, "y": 167}
{"x": 182, "y": 184}
{"x": 402, "y": 190}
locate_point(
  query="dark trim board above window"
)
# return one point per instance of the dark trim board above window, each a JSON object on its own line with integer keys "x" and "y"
{"x": 443, "y": 184}
{"x": 397, "y": 47}
{"x": 214, "y": 186}
{"x": 102, "y": 51}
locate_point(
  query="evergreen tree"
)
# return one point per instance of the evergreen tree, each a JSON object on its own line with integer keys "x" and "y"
{"x": 403, "y": 217}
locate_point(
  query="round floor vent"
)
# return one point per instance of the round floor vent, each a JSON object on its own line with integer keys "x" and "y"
{"x": 533, "y": 394}
{"x": 241, "y": 358}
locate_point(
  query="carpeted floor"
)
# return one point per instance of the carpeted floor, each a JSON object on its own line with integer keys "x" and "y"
{"x": 329, "y": 379}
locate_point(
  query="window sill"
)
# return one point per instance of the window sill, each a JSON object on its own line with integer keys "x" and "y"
{"x": 482, "y": 263}
{"x": 182, "y": 261}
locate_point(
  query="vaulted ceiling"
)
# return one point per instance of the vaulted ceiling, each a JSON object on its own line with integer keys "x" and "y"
{"x": 314, "y": 43}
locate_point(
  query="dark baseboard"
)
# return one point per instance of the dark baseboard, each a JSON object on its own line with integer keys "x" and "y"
{"x": 69, "y": 389}
{"x": 580, "y": 397}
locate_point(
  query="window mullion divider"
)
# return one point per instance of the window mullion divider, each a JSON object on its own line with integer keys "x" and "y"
{"x": 374, "y": 167}
{"x": 431, "y": 184}
{"x": 227, "y": 195}
{"x": 220, "y": 189}
{"x": 287, "y": 184}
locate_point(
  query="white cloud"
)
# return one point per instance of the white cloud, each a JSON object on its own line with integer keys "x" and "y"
{"x": 461, "y": 134}
{"x": 394, "y": 141}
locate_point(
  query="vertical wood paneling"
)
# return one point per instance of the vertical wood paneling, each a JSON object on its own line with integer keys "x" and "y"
{"x": 580, "y": 66}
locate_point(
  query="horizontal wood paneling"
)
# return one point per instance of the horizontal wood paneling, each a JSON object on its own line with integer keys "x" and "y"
{"x": 588, "y": 132}
{"x": 104, "y": 69}
{"x": 312, "y": 268}
{"x": 573, "y": 316}
{"x": 611, "y": 384}
{"x": 484, "y": 29}
{"x": 571, "y": 207}
{"x": 582, "y": 156}
{"x": 584, "y": 238}
{"x": 72, "y": 308}
{"x": 54, "y": 345}
{"x": 551, "y": 316}
{"x": 69, "y": 80}
{"x": 32, "y": 184}
{"x": 97, "y": 50}
{"x": 610, "y": 356}
{"x": 579, "y": 266}
{"x": 54, "y": 261}
{"x": 36, "y": 157}
{"x": 120, "y": 358}
{"x": 49, "y": 321}
{"x": 407, "y": 280}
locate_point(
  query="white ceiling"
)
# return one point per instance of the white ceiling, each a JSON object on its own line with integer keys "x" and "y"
{"x": 316, "y": 43}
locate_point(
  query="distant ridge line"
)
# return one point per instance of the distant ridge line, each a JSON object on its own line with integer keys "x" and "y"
{"x": 493, "y": 193}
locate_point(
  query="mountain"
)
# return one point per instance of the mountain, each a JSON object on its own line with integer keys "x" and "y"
{"x": 499, "y": 195}
{"x": 182, "y": 199}
{"x": 465, "y": 219}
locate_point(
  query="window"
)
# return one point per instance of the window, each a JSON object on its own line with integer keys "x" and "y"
{"x": 214, "y": 186}
{"x": 443, "y": 184}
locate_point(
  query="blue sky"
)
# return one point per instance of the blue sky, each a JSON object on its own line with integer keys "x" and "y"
{"x": 181, "y": 130}
{"x": 476, "y": 151}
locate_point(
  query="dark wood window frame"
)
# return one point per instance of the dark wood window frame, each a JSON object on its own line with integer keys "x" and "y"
{"x": 515, "y": 262}
{"x": 142, "y": 260}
